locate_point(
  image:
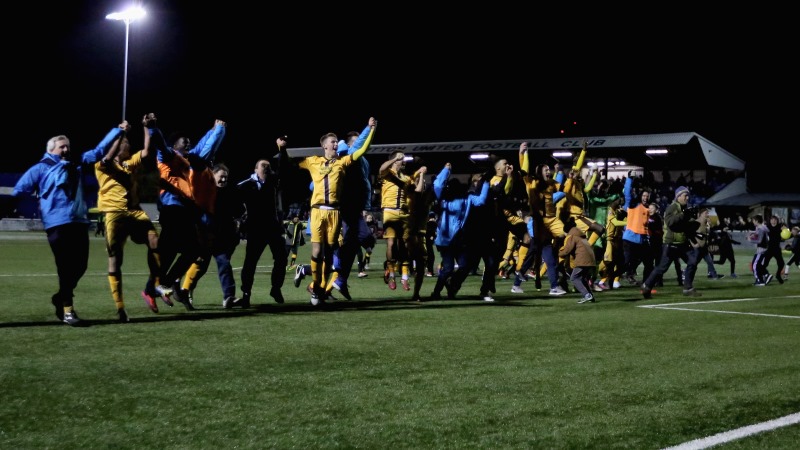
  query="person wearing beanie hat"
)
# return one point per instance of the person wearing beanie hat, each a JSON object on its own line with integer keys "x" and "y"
{"x": 680, "y": 190}
{"x": 680, "y": 225}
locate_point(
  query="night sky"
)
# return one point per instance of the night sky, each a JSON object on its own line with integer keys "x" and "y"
{"x": 481, "y": 74}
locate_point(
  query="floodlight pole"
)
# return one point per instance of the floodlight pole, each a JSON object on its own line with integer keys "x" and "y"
{"x": 126, "y": 16}
{"x": 125, "y": 74}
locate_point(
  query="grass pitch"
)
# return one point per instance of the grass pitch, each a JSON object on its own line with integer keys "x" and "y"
{"x": 527, "y": 371}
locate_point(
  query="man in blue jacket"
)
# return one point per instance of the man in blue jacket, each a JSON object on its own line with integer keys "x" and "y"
{"x": 57, "y": 182}
{"x": 455, "y": 203}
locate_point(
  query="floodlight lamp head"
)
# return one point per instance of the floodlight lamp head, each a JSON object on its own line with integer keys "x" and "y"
{"x": 129, "y": 15}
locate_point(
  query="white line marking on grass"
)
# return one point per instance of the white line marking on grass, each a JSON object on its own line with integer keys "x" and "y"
{"x": 728, "y": 436}
{"x": 102, "y": 274}
{"x": 676, "y": 307}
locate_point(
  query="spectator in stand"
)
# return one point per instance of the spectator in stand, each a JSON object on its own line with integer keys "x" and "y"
{"x": 741, "y": 224}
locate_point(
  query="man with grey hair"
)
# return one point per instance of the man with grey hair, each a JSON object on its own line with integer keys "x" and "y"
{"x": 57, "y": 182}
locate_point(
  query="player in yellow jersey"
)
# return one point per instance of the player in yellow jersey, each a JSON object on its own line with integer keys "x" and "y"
{"x": 420, "y": 199}
{"x": 394, "y": 201}
{"x": 115, "y": 169}
{"x": 327, "y": 174}
{"x": 502, "y": 187}
{"x": 543, "y": 192}
{"x": 575, "y": 200}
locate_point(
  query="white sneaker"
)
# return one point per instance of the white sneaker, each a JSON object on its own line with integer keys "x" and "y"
{"x": 586, "y": 298}
{"x": 489, "y": 298}
{"x": 617, "y": 285}
{"x": 229, "y": 302}
{"x": 165, "y": 292}
{"x": 557, "y": 291}
{"x": 298, "y": 275}
{"x": 517, "y": 290}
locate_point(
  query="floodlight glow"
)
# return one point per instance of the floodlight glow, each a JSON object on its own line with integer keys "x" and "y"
{"x": 479, "y": 156}
{"x": 408, "y": 158}
{"x": 129, "y": 15}
{"x": 562, "y": 154}
{"x": 656, "y": 151}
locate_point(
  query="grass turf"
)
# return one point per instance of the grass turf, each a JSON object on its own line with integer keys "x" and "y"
{"x": 381, "y": 371}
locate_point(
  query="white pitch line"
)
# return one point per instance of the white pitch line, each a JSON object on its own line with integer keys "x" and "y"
{"x": 674, "y": 306}
{"x": 731, "y": 312}
{"x": 739, "y": 433}
{"x": 103, "y": 274}
{"x": 700, "y": 302}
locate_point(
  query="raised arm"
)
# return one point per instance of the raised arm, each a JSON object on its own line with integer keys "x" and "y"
{"x": 361, "y": 140}
{"x": 109, "y": 144}
{"x": 420, "y": 179}
{"x": 509, "y": 179}
{"x": 480, "y": 199}
{"x": 159, "y": 144}
{"x": 592, "y": 180}
{"x": 148, "y": 123}
{"x": 208, "y": 145}
{"x": 579, "y": 163}
{"x": 388, "y": 164}
{"x": 524, "y": 161}
{"x": 368, "y": 141}
{"x": 441, "y": 180}
{"x": 116, "y": 147}
{"x": 284, "y": 162}
{"x": 626, "y": 190}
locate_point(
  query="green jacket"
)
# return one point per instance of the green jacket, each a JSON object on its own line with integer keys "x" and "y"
{"x": 676, "y": 223}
